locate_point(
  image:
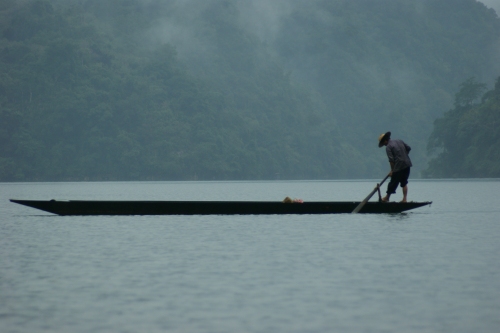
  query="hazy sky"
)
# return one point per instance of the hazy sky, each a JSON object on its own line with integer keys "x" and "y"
{"x": 495, "y": 4}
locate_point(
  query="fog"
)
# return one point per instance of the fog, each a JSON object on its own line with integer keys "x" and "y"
{"x": 324, "y": 47}
{"x": 282, "y": 75}
{"x": 495, "y": 4}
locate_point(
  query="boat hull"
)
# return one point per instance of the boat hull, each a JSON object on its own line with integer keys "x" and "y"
{"x": 75, "y": 207}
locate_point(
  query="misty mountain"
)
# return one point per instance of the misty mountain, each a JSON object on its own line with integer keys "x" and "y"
{"x": 219, "y": 89}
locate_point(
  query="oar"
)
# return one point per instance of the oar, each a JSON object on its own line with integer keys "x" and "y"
{"x": 362, "y": 203}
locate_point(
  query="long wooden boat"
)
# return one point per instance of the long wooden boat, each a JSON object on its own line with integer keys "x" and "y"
{"x": 78, "y": 207}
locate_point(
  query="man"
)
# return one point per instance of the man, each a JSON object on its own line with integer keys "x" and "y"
{"x": 397, "y": 152}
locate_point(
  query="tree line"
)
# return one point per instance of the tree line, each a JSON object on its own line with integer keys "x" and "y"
{"x": 466, "y": 140}
{"x": 169, "y": 90}
{"x": 78, "y": 102}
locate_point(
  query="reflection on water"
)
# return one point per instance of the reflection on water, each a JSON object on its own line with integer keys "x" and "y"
{"x": 405, "y": 216}
{"x": 432, "y": 269}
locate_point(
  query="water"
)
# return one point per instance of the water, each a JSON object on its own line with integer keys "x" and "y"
{"x": 434, "y": 269}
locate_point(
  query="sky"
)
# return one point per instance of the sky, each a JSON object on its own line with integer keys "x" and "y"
{"x": 495, "y": 4}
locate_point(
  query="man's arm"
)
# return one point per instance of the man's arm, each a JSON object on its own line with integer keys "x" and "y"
{"x": 390, "y": 156}
{"x": 392, "y": 168}
{"x": 408, "y": 148}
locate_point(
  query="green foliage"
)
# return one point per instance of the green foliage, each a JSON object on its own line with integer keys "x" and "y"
{"x": 389, "y": 64}
{"x": 165, "y": 89}
{"x": 470, "y": 91}
{"x": 74, "y": 106}
{"x": 467, "y": 138}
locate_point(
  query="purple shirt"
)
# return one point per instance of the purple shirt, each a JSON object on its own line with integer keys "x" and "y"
{"x": 397, "y": 152}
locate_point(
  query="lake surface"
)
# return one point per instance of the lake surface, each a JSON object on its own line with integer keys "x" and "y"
{"x": 434, "y": 269}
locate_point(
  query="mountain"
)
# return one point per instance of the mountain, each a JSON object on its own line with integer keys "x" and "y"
{"x": 219, "y": 89}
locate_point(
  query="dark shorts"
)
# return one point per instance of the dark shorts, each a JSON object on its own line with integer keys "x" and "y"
{"x": 398, "y": 178}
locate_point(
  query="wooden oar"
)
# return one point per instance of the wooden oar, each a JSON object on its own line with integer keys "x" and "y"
{"x": 362, "y": 203}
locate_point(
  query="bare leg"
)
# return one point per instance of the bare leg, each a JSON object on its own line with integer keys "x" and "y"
{"x": 386, "y": 198}
{"x": 405, "y": 193}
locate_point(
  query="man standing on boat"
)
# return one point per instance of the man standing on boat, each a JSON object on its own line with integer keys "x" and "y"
{"x": 397, "y": 152}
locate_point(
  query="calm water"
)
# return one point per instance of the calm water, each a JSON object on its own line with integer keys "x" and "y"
{"x": 435, "y": 269}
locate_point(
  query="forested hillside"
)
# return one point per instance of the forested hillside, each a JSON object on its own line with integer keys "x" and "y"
{"x": 220, "y": 89}
{"x": 390, "y": 64}
{"x": 83, "y": 97}
{"x": 467, "y": 138}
